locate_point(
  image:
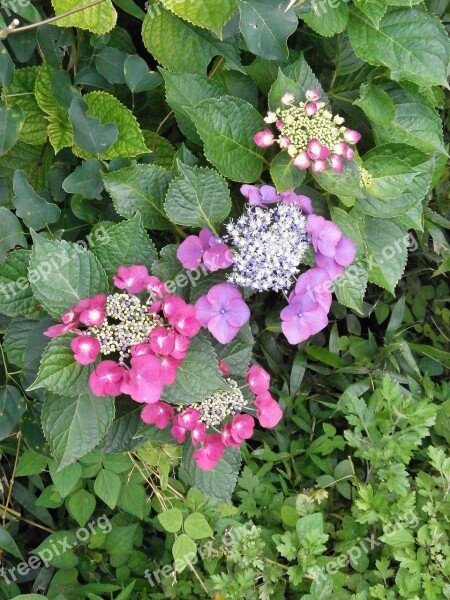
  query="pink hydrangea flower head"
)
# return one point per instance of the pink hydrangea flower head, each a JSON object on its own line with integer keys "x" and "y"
{"x": 288, "y": 98}
{"x": 169, "y": 366}
{"x": 302, "y": 161}
{"x": 210, "y": 453}
{"x": 198, "y": 434}
{"x": 328, "y": 264}
{"x": 190, "y": 252}
{"x": 336, "y": 163}
{"x": 188, "y": 419}
{"x": 242, "y": 427}
{"x": 140, "y": 349}
{"x": 158, "y": 414}
{"x": 351, "y": 136}
{"x": 258, "y": 379}
{"x": 302, "y": 318}
{"x": 107, "y": 378}
{"x": 85, "y": 349}
{"x": 268, "y": 410}
{"x": 318, "y": 166}
{"x": 223, "y": 311}
{"x": 181, "y": 346}
{"x": 316, "y": 284}
{"x": 218, "y": 257}
{"x": 60, "y": 329}
{"x": 311, "y": 109}
{"x": 132, "y": 279}
{"x": 325, "y": 235}
{"x": 264, "y": 138}
{"x": 144, "y": 382}
{"x": 178, "y": 432}
{"x": 93, "y": 311}
{"x": 303, "y": 202}
{"x": 172, "y": 305}
{"x": 162, "y": 341}
{"x": 185, "y": 321}
{"x": 345, "y": 252}
{"x": 227, "y": 438}
{"x": 312, "y": 95}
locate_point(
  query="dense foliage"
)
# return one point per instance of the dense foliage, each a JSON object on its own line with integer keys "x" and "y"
{"x": 231, "y": 218}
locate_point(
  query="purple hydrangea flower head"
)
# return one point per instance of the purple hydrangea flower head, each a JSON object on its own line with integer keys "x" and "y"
{"x": 223, "y": 311}
{"x": 260, "y": 196}
{"x": 315, "y": 283}
{"x": 325, "y": 235}
{"x": 302, "y": 318}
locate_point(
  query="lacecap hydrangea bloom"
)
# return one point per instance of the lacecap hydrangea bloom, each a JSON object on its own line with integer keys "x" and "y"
{"x": 310, "y": 133}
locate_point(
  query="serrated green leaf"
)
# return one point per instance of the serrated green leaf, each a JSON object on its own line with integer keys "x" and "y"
{"x": 59, "y": 372}
{"x": 220, "y": 481}
{"x": 390, "y": 176}
{"x": 107, "y": 109}
{"x": 85, "y": 180}
{"x": 12, "y": 406}
{"x": 327, "y": 22}
{"x": 301, "y": 73}
{"x": 351, "y": 286}
{"x": 285, "y": 175}
{"x": 16, "y": 297}
{"x": 179, "y": 46}
{"x": 345, "y": 184}
{"x": 376, "y": 103}
{"x": 198, "y": 198}
{"x": 387, "y": 251}
{"x": 185, "y": 90}
{"x": 107, "y": 487}
{"x": 20, "y": 94}
{"x": 89, "y": 134}
{"x": 204, "y": 13}
{"x": 415, "y": 122}
{"x": 266, "y": 25}
{"x": 162, "y": 151}
{"x": 411, "y": 43}
{"x": 11, "y": 123}
{"x": 34, "y": 160}
{"x": 374, "y": 9}
{"x": 142, "y": 189}
{"x": 198, "y": 376}
{"x": 100, "y": 18}
{"x": 227, "y": 126}
{"x": 34, "y": 210}
{"x": 11, "y": 233}
{"x": 128, "y": 244}
{"x": 73, "y": 426}
{"x": 81, "y": 506}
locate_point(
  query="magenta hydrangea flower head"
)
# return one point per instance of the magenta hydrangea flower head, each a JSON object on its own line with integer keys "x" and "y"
{"x": 107, "y": 379}
{"x": 223, "y": 311}
{"x": 312, "y": 135}
{"x": 205, "y": 247}
{"x": 158, "y": 414}
{"x": 132, "y": 279}
{"x": 85, "y": 349}
{"x": 210, "y": 453}
{"x": 268, "y": 412}
{"x": 315, "y": 284}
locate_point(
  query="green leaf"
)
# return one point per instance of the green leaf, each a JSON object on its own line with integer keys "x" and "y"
{"x": 238, "y": 353}
{"x": 204, "y": 13}
{"x": 100, "y": 18}
{"x": 16, "y": 297}
{"x": 73, "y": 426}
{"x": 374, "y": 9}
{"x": 329, "y": 22}
{"x": 311, "y": 524}
{"x": 11, "y": 233}
{"x": 81, "y": 506}
{"x": 162, "y": 151}
{"x": 106, "y": 108}
{"x": 61, "y": 560}
{"x": 179, "y": 46}
{"x": 184, "y": 550}
{"x": 137, "y": 76}
{"x": 280, "y": 86}
{"x": 11, "y": 122}
{"x": 171, "y": 519}
{"x": 197, "y": 527}
{"x": 345, "y": 184}
{"x": 34, "y": 210}
{"x": 284, "y": 174}
{"x": 142, "y": 189}
{"x": 85, "y": 180}
{"x": 119, "y": 543}
{"x": 128, "y": 244}
{"x": 351, "y": 286}
{"x": 110, "y": 63}
{"x": 184, "y": 91}
{"x": 220, "y": 481}
{"x": 411, "y": 43}
{"x": 388, "y": 252}
{"x": 61, "y": 274}
{"x": 20, "y": 95}
{"x": 227, "y": 126}
{"x": 198, "y": 376}
{"x": 88, "y": 133}
{"x": 420, "y": 165}
{"x": 12, "y": 406}
{"x": 6, "y": 66}
{"x": 133, "y": 499}
{"x": 31, "y": 463}
{"x": 59, "y": 372}
{"x": 7, "y": 543}
{"x": 169, "y": 269}
{"x": 390, "y": 176}
{"x": 107, "y": 487}
{"x": 376, "y": 103}
{"x": 198, "y": 198}
{"x": 266, "y": 26}
{"x": 415, "y": 122}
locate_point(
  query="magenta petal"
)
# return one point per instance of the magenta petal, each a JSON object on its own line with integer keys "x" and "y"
{"x": 190, "y": 252}
{"x": 206, "y": 237}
